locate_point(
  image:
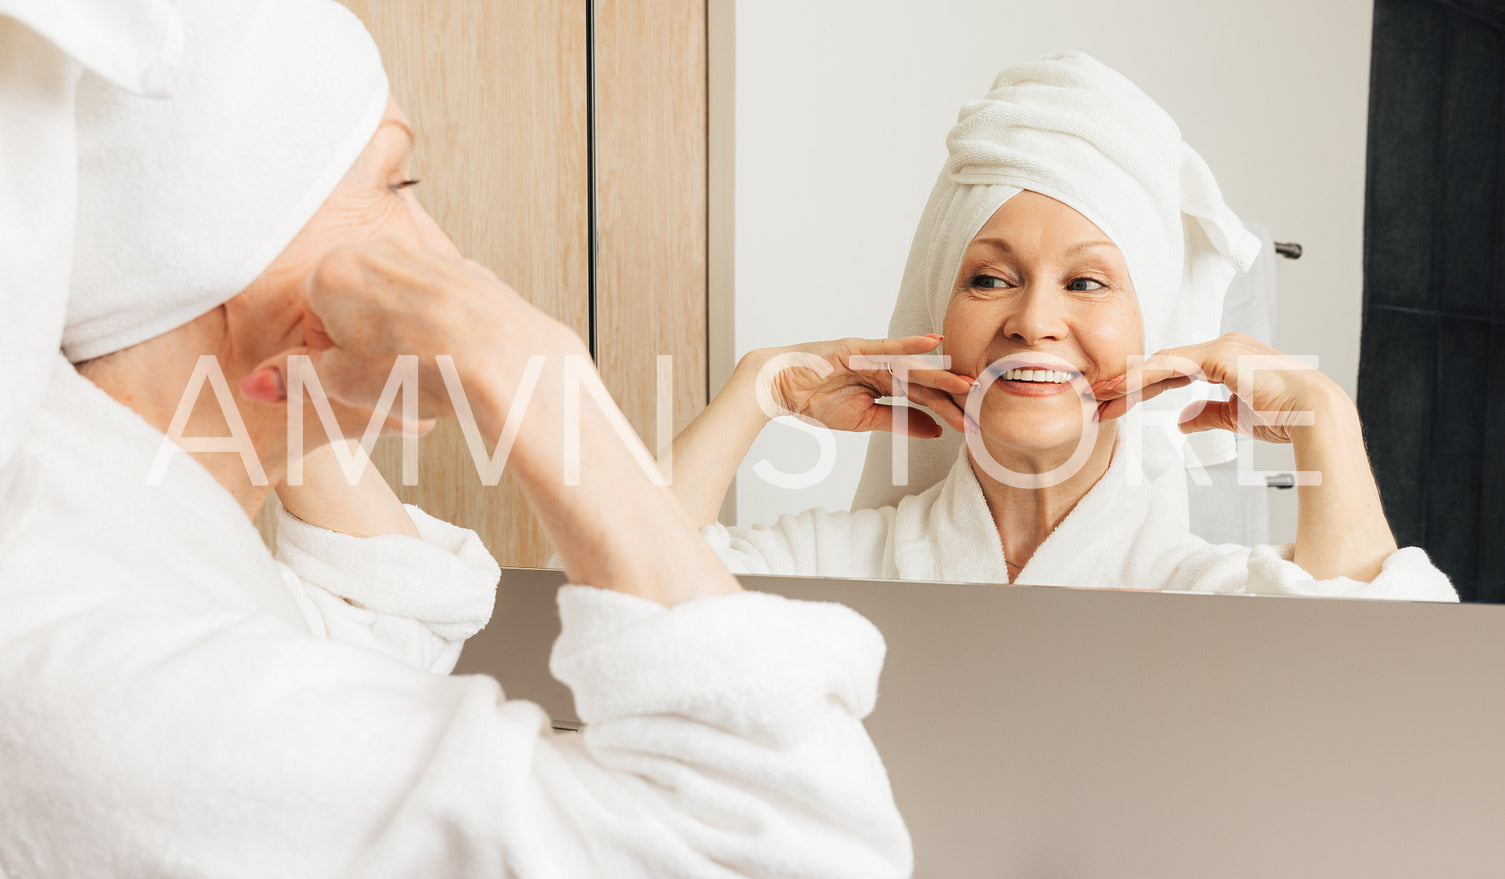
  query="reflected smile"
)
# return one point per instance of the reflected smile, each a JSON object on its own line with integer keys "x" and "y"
{"x": 1051, "y": 376}
{"x": 1036, "y": 376}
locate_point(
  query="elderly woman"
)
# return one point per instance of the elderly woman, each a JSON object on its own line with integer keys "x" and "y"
{"x": 1071, "y": 231}
{"x": 177, "y": 701}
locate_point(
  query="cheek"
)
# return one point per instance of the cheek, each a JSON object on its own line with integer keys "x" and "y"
{"x": 1111, "y": 337}
{"x": 967, "y": 333}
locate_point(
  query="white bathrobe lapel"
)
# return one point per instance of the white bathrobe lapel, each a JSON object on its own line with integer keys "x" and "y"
{"x": 1093, "y": 544}
{"x": 947, "y": 533}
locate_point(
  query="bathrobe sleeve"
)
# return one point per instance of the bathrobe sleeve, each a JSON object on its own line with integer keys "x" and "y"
{"x": 724, "y": 739}
{"x": 1197, "y": 566}
{"x": 416, "y": 599}
{"x": 814, "y": 543}
{"x": 1407, "y": 575}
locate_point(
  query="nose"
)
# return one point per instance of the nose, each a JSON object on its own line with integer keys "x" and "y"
{"x": 1037, "y": 316}
{"x": 430, "y": 235}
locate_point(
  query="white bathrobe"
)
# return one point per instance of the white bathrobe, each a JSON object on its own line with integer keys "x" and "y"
{"x": 175, "y": 702}
{"x": 1119, "y": 535}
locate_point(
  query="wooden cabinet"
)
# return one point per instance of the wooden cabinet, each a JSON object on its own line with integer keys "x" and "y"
{"x": 651, "y": 206}
{"x": 522, "y": 139}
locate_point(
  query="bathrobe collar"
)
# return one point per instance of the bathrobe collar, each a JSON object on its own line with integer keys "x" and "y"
{"x": 91, "y": 457}
{"x": 950, "y": 534}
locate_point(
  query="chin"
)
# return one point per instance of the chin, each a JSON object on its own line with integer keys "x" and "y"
{"x": 1031, "y": 427}
{"x": 1011, "y": 442}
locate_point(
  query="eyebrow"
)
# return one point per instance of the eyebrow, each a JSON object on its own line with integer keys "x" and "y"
{"x": 398, "y": 123}
{"x": 1074, "y": 249}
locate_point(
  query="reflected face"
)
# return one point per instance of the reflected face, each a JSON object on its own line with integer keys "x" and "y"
{"x": 1043, "y": 290}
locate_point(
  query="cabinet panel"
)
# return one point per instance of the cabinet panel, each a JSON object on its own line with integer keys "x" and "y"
{"x": 651, "y": 204}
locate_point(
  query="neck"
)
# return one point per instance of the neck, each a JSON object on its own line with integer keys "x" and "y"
{"x": 151, "y": 379}
{"x": 1025, "y": 516}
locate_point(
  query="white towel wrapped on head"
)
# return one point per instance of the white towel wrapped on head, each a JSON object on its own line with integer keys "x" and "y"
{"x": 183, "y": 203}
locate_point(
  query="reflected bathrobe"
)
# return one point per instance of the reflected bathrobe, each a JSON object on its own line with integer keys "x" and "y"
{"x": 176, "y": 702}
{"x": 1119, "y": 535}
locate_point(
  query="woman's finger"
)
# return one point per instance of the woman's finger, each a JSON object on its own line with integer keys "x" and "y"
{"x": 917, "y": 424}
{"x": 1210, "y": 415}
{"x": 1161, "y": 367}
{"x": 910, "y": 369}
{"x": 942, "y": 405}
{"x": 943, "y": 380}
{"x": 897, "y": 346}
{"x": 1115, "y": 406}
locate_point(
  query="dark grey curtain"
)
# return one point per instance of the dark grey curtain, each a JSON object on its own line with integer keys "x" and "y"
{"x": 1432, "y": 355}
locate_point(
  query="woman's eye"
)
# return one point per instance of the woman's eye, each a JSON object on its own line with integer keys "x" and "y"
{"x": 988, "y": 282}
{"x": 398, "y": 187}
{"x": 1078, "y": 285}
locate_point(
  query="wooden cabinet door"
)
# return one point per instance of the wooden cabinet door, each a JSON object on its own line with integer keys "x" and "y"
{"x": 651, "y": 211}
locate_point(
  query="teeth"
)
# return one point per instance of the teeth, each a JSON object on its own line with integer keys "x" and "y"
{"x": 1037, "y": 375}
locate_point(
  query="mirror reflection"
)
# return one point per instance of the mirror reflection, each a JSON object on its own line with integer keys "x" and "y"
{"x": 968, "y": 397}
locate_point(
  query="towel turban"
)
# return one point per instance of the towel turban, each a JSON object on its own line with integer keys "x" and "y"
{"x": 1071, "y": 128}
{"x": 182, "y": 202}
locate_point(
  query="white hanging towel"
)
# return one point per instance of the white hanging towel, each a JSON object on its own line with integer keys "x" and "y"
{"x": 45, "y": 45}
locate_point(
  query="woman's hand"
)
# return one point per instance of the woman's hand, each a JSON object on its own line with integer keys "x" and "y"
{"x": 374, "y": 302}
{"x": 1341, "y": 530}
{"x": 1274, "y": 394}
{"x": 369, "y": 303}
{"x": 838, "y": 384}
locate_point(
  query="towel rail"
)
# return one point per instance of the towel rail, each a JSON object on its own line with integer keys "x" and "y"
{"x": 1288, "y": 249}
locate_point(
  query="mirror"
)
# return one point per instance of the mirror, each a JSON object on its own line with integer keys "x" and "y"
{"x": 823, "y": 129}
{"x": 840, "y": 126}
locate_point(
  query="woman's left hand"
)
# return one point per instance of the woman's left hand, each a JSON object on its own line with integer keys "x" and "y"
{"x": 1271, "y": 392}
{"x": 1340, "y": 524}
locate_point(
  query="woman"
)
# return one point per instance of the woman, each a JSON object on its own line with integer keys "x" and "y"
{"x": 1071, "y": 232}
{"x": 177, "y": 702}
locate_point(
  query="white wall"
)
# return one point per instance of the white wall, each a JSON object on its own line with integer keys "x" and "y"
{"x": 841, "y": 112}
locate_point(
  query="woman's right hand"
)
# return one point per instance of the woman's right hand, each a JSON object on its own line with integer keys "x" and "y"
{"x": 838, "y": 383}
{"x": 613, "y": 528}
{"x": 372, "y": 302}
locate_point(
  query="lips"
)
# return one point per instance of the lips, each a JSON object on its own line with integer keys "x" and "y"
{"x": 1034, "y": 375}
{"x": 1033, "y": 366}
{"x": 1051, "y": 376}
